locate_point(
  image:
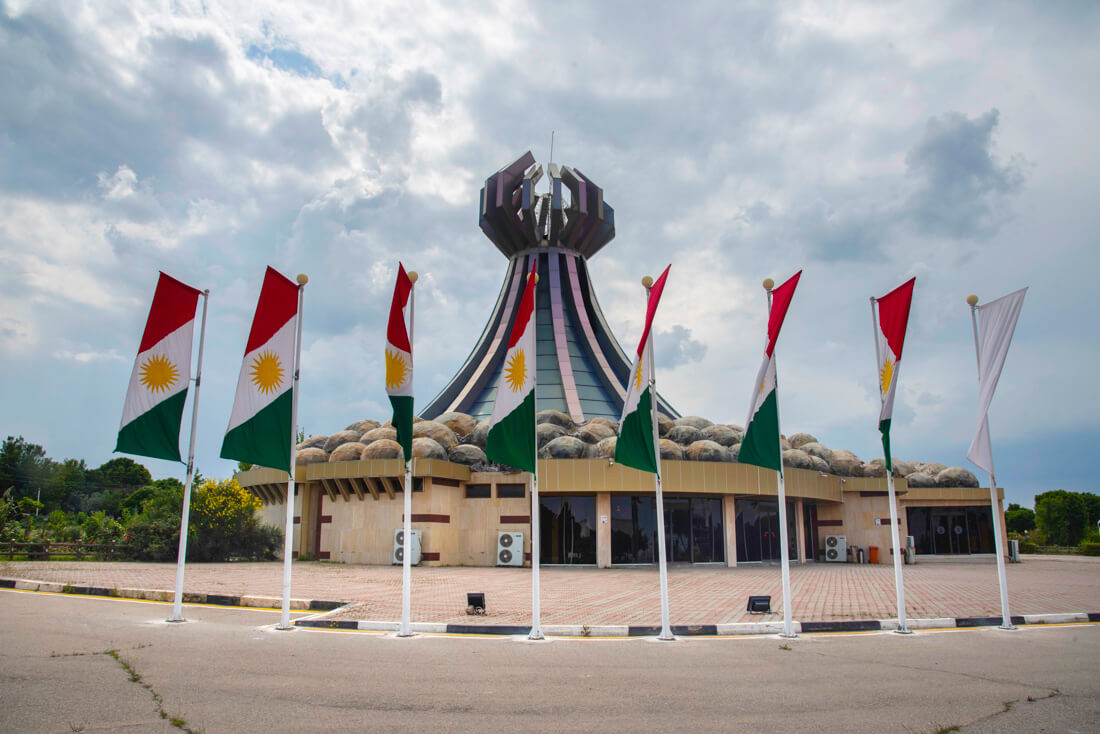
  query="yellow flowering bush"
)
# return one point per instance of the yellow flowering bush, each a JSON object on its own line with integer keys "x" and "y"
{"x": 224, "y": 524}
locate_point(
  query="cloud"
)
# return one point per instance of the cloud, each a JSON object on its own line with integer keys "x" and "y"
{"x": 675, "y": 347}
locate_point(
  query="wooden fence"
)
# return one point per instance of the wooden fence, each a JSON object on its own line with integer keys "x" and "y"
{"x": 42, "y": 550}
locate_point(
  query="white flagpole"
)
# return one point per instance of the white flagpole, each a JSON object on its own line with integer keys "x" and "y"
{"x": 406, "y": 533}
{"x": 1006, "y": 617}
{"x": 536, "y": 538}
{"x": 288, "y": 545}
{"x": 185, "y": 515}
{"x": 899, "y": 586}
{"x": 662, "y": 562}
{"x": 784, "y": 551}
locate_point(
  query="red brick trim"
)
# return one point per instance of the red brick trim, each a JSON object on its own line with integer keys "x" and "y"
{"x": 446, "y": 482}
{"x": 297, "y": 519}
{"x": 830, "y": 523}
{"x": 515, "y": 519}
{"x": 326, "y": 518}
{"x": 323, "y": 555}
{"x": 428, "y": 518}
{"x": 886, "y": 521}
{"x": 294, "y": 554}
{"x": 874, "y": 494}
{"x": 526, "y": 556}
{"x": 429, "y": 556}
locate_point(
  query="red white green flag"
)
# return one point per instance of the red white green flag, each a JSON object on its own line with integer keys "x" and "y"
{"x": 399, "y": 362}
{"x": 260, "y": 428}
{"x": 511, "y": 437}
{"x": 893, "y": 318}
{"x": 153, "y": 409}
{"x": 636, "y": 445}
{"x": 760, "y": 444}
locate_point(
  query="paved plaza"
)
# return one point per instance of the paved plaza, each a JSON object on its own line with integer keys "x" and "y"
{"x": 589, "y": 596}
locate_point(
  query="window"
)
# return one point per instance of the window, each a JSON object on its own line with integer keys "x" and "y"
{"x": 479, "y": 491}
{"x": 512, "y": 490}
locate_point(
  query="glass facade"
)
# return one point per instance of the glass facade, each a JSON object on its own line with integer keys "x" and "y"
{"x": 567, "y": 526}
{"x": 758, "y": 531}
{"x": 949, "y": 531}
{"x": 693, "y": 529}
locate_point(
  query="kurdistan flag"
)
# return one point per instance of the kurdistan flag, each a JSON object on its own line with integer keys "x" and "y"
{"x": 511, "y": 437}
{"x": 893, "y": 318}
{"x": 760, "y": 444}
{"x": 260, "y": 428}
{"x": 636, "y": 445}
{"x": 153, "y": 409}
{"x": 399, "y": 363}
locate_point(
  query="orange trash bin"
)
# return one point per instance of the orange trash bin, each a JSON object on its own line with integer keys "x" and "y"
{"x": 874, "y": 553}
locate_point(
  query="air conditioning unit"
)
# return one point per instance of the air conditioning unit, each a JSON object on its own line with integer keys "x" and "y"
{"x": 399, "y": 550}
{"x": 836, "y": 548}
{"x": 1014, "y": 551}
{"x": 509, "y": 549}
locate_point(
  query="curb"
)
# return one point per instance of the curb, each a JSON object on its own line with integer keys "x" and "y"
{"x": 563, "y": 630}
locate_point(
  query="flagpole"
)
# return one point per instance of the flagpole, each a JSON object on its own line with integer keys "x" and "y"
{"x": 185, "y": 515}
{"x": 536, "y": 537}
{"x": 406, "y": 532}
{"x": 288, "y": 545}
{"x": 998, "y": 539}
{"x": 784, "y": 551}
{"x": 662, "y": 563}
{"x": 895, "y": 544}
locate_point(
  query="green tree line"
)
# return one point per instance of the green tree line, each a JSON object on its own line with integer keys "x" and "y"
{"x": 1059, "y": 518}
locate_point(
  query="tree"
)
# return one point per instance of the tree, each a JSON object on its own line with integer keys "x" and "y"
{"x": 123, "y": 474}
{"x": 1062, "y": 516}
{"x": 224, "y": 524}
{"x": 24, "y": 466}
{"x": 1019, "y": 519}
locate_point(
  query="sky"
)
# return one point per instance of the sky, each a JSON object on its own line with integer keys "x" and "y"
{"x": 863, "y": 143}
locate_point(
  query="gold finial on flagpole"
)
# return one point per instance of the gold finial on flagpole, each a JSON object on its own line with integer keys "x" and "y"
{"x": 768, "y": 284}
{"x": 302, "y": 278}
{"x": 413, "y": 276}
{"x": 534, "y": 274}
{"x": 972, "y": 299}
{"x": 647, "y": 282}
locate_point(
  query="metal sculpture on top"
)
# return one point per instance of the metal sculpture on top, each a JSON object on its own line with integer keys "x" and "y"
{"x": 581, "y": 369}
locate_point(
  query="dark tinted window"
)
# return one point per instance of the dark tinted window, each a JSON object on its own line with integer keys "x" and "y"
{"x": 479, "y": 491}
{"x": 512, "y": 490}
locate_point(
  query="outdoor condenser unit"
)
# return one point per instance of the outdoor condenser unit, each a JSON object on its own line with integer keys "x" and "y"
{"x": 836, "y": 548}
{"x": 399, "y": 551}
{"x": 509, "y": 549}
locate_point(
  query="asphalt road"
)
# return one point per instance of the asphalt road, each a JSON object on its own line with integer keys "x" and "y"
{"x": 229, "y": 670}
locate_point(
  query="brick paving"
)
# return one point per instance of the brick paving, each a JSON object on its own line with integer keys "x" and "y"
{"x": 697, "y": 595}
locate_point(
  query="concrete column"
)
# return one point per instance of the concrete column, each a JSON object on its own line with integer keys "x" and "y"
{"x": 603, "y": 530}
{"x": 800, "y": 526}
{"x": 729, "y": 528}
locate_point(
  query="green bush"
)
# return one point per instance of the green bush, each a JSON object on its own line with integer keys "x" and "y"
{"x": 1090, "y": 549}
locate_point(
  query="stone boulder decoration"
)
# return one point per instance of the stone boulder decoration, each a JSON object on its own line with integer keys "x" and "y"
{"x": 351, "y": 451}
{"x": 310, "y": 455}
{"x": 820, "y": 464}
{"x": 556, "y": 417}
{"x": 436, "y": 431}
{"x": 694, "y": 421}
{"x": 685, "y": 435}
{"x": 466, "y": 454}
{"x": 605, "y": 449}
{"x": 904, "y": 468}
{"x": 704, "y": 450}
{"x": 797, "y": 459}
{"x": 341, "y": 437}
{"x": 564, "y": 447}
{"x": 382, "y": 448}
{"x": 733, "y": 452}
{"x": 798, "y": 439}
{"x": 918, "y": 480}
{"x": 721, "y": 435}
{"x": 956, "y": 476}
{"x": 363, "y": 426}
{"x": 873, "y": 469}
{"x": 594, "y": 432}
{"x": 479, "y": 435}
{"x": 671, "y": 450}
{"x": 460, "y": 423}
{"x": 813, "y": 448}
{"x": 664, "y": 424}
{"x": 428, "y": 448}
{"x": 784, "y": 444}
{"x": 547, "y": 432}
{"x": 932, "y": 468}
{"x": 314, "y": 442}
{"x": 845, "y": 463}
{"x": 388, "y": 433}
{"x": 613, "y": 425}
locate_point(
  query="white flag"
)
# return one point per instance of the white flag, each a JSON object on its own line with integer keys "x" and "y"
{"x": 997, "y": 323}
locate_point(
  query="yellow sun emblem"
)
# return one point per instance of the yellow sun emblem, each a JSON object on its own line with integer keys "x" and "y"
{"x": 396, "y": 370}
{"x": 158, "y": 373}
{"x": 267, "y": 372}
{"x": 886, "y": 375}
{"x": 515, "y": 372}
{"x": 638, "y": 376}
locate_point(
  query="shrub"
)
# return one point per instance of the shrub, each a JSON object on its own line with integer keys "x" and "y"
{"x": 1090, "y": 549}
{"x": 224, "y": 524}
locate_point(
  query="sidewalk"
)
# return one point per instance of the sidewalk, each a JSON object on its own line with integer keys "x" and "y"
{"x": 700, "y": 595}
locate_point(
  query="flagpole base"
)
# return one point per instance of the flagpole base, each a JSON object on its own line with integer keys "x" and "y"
{"x": 175, "y": 620}
{"x": 535, "y": 635}
{"x": 1008, "y": 628}
{"x": 791, "y": 636}
{"x": 405, "y": 634}
{"x": 902, "y": 631}
{"x": 666, "y": 636}
{"x": 288, "y": 628}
